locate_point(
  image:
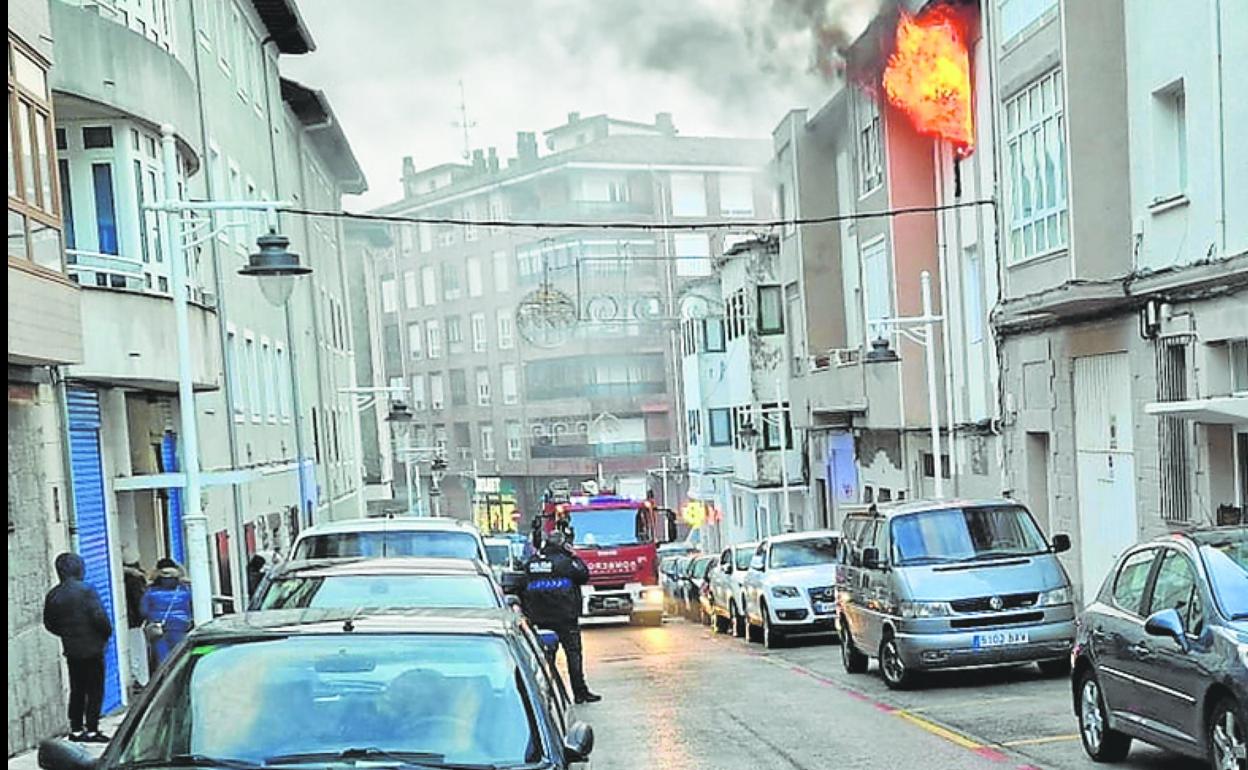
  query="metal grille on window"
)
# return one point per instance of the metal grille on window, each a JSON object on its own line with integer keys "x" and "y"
{"x": 1175, "y": 452}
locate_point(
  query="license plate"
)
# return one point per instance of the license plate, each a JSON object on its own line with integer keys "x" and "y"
{"x": 999, "y": 639}
{"x": 825, "y": 608}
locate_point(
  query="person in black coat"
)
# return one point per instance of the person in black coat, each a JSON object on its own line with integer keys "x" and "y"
{"x": 551, "y": 597}
{"x": 73, "y": 611}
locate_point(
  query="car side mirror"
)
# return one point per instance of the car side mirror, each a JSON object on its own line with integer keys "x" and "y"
{"x": 1061, "y": 543}
{"x": 578, "y": 744}
{"x": 726, "y": 569}
{"x": 60, "y": 754}
{"x": 871, "y": 558}
{"x": 1167, "y": 623}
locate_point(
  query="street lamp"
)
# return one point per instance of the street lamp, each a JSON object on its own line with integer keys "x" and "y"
{"x": 276, "y": 268}
{"x": 273, "y": 262}
{"x": 924, "y": 336}
{"x": 437, "y": 471}
{"x": 778, "y": 417}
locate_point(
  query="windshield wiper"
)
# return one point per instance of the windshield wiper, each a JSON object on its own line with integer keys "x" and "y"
{"x": 192, "y": 760}
{"x": 1240, "y": 616}
{"x": 416, "y": 760}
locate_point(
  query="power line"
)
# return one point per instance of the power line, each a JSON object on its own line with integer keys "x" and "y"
{"x": 705, "y": 224}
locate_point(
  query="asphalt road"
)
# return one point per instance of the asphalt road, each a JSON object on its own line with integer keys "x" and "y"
{"x": 679, "y": 697}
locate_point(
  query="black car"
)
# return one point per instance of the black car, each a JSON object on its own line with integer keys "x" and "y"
{"x": 1161, "y": 654}
{"x": 424, "y": 689}
{"x": 691, "y": 587}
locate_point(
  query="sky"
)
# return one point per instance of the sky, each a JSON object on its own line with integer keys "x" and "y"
{"x": 392, "y": 68}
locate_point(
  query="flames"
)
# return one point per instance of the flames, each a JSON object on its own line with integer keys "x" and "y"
{"x": 928, "y": 76}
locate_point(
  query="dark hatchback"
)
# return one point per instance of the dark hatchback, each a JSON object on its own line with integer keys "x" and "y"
{"x": 1161, "y": 654}
{"x": 326, "y": 689}
{"x": 390, "y": 582}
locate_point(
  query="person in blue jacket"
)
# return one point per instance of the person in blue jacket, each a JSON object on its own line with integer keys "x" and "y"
{"x": 166, "y": 608}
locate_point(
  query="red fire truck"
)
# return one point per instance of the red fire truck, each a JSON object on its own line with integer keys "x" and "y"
{"x": 618, "y": 539}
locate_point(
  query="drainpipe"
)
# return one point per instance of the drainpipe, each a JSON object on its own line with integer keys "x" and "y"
{"x": 1220, "y": 118}
{"x": 62, "y": 404}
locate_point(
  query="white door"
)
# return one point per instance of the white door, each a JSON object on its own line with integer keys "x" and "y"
{"x": 1105, "y": 465}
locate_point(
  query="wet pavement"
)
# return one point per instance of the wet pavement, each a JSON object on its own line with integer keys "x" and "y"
{"x": 681, "y": 697}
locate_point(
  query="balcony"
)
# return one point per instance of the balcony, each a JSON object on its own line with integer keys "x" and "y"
{"x": 45, "y": 317}
{"x": 93, "y": 270}
{"x": 834, "y": 385}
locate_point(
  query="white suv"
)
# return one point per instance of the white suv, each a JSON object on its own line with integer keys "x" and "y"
{"x": 791, "y": 586}
{"x": 728, "y": 588}
{"x": 390, "y": 536}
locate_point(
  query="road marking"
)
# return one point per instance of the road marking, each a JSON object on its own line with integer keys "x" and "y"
{"x": 943, "y": 732}
{"x": 969, "y": 703}
{"x": 1039, "y": 741}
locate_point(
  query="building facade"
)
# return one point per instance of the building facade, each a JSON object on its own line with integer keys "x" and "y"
{"x": 503, "y": 394}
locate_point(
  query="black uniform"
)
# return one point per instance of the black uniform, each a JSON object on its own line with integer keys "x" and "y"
{"x": 73, "y": 611}
{"x": 552, "y": 600}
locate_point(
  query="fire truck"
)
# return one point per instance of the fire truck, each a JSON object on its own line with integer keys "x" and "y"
{"x": 618, "y": 539}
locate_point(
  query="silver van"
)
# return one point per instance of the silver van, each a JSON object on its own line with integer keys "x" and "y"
{"x": 951, "y": 584}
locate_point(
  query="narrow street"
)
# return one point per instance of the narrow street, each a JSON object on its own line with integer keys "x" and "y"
{"x": 680, "y": 696}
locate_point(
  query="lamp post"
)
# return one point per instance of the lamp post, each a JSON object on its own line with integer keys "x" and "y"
{"x": 277, "y": 268}
{"x": 437, "y": 470}
{"x": 926, "y": 337}
{"x": 399, "y": 417}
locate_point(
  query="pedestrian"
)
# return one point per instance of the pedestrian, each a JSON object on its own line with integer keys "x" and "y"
{"x": 166, "y": 608}
{"x": 551, "y": 597}
{"x": 255, "y": 573}
{"x": 72, "y": 610}
{"x": 136, "y": 586}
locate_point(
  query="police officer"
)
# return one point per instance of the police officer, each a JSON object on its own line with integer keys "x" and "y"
{"x": 552, "y": 600}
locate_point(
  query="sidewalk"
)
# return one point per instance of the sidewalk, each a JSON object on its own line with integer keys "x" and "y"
{"x": 29, "y": 760}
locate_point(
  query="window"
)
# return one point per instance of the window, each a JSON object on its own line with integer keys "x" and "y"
{"x": 97, "y": 137}
{"x": 511, "y": 393}
{"x": 439, "y": 438}
{"x": 797, "y": 329}
{"x": 283, "y": 383}
{"x": 693, "y": 418}
{"x": 1175, "y": 589}
{"x": 487, "y": 442}
{"x": 693, "y": 254}
{"x": 713, "y": 335}
{"x": 389, "y": 298}
{"x": 738, "y": 315}
{"x": 105, "y": 208}
{"x": 267, "y": 372}
{"x": 1131, "y": 579}
{"x": 1035, "y": 144}
{"x": 459, "y": 387}
{"x": 483, "y": 387}
{"x": 478, "y": 332}
{"x": 236, "y": 193}
{"x": 437, "y": 393}
{"x": 454, "y": 335}
{"x": 411, "y": 291}
{"x": 433, "y": 335}
{"x": 450, "y": 282}
{"x": 870, "y": 143}
{"x": 878, "y": 281}
{"x": 233, "y": 372}
{"x": 475, "y": 281}
{"x": 252, "y": 364}
{"x": 1169, "y": 143}
{"x": 736, "y": 195}
{"x": 419, "y": 403}
{"x": 463, "y": 440}
{"x": 502, "y": 277}
{"x": 429, "y": 286}
{"x": 720, "y": 424}
{"x": 770, "y": 310}
{"x": 515, "y": 447}
{"x": 506, "y": 340}
{"x": 1238, "y": 350}
{"x": 973, "y": 289}
{"x": 415, "y": 340}
{"x": 777, "y": 426}
{"x": 688, "y": 195}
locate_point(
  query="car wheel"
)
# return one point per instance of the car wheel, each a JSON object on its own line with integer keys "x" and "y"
{"x": 854, "y": 661}
{"x": 1058, "y": 667}
{"x": 1100, "y": 742}
{"x": 738, "y": 621}
{"x": 1226, "y": 734}
{"x": 752, "y": 632}
{"x": 896, "y": 674}
{"x": 772, "y": 638}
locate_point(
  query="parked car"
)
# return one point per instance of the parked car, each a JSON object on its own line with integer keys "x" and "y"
{"x": 391, "y": 536}
{"x": 410, "y": 582}
{"x": 705, "y": 600}
{"x": 672, "y": 579}
{"x": 728, "y": 588}
{"x": 949, "y": 584}
{"x": 1161, "y": 653}
{"x": 691, "y": 588}
{"x": 499, "y": 552}
{"x": 790, "y": 586}
{"x": 334, "y": 688}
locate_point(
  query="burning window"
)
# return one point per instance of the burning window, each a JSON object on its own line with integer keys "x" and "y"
{"x": 870, "y": 143}
{"x": 1035, "y": 140}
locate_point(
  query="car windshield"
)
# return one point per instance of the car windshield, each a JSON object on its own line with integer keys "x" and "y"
{"x": 701, "y": 567}
{"x": 499, "y": 554}
{"x": 348, "y": 591}
{"x": 455, "y": 545}
{"x": 965, "y": 534}
{"x": 458, "y": 699}
{"x": 1227, "y": 565}
{"x": 743, "y": 556}
{"x": 605, "y": 527}
{"x": 804, "y": 553}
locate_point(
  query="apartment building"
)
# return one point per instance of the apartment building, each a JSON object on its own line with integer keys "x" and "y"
{"x": 594, "y": 399}
{"x": 268, "y": 379}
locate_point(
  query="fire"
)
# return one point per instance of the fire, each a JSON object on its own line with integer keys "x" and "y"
{"x": 929, "y": 76}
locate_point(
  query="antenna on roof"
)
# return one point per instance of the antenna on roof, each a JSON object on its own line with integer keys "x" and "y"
{"x": 463, "y": 122}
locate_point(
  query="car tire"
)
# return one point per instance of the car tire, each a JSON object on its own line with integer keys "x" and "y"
{"x": 1226, "y": 734}
{"x": 739, "y": 625}
{"x": 892, "y": 667}
{"x": 1099, "y": 742}
{"x": 1058, "y": 667}
{"x": 753, "y": 633}
{"x": 854, "y": 661}
{"x": 722, "y": 624}
{"x": 772, "y": 638}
